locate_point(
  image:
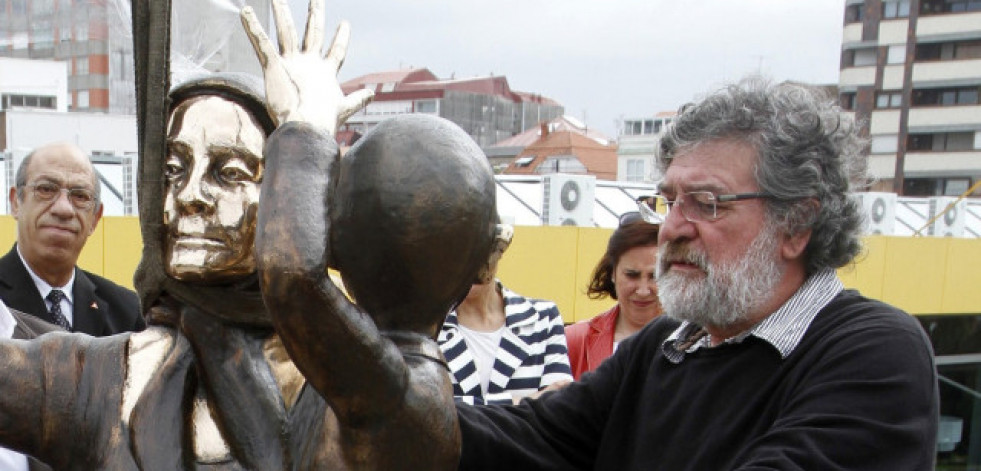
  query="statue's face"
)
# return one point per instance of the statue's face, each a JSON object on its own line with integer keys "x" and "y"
{"x": 213, "y": 172}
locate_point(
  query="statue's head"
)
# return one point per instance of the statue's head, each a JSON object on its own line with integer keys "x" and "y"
{"x": 213, "y": 168}
{"x": 413, "y": 220}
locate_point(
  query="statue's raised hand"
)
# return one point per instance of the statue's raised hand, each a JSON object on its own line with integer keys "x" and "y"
{"x": 301, "y": 83}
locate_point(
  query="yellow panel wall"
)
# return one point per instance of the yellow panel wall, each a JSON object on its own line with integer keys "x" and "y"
{"x": 532, "y": 268}
{"x": 922, "y": 275}
{"x": 123, "y": 249}
{"x": 913, "y": 276}
{"x": 8, "y": 233}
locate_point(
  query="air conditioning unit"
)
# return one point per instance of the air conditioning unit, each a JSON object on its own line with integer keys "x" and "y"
{"x": 951, "y": 222}
{"x": 879, "y": 209}
{"x": 568, "y": 200}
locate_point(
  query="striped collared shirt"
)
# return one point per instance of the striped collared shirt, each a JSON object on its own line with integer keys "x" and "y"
{"x": 783, "y": 329}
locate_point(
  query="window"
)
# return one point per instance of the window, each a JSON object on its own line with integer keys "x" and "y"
{"x": 941, "y": 142}
{"x": 956, "y": 186}
{"x": 930, "y": 7}
{"x": 632, "y": 128}
{"x": 847, "y": 101}
{"x": 81, "y": 65}
{"x": 426, "y": 106}
{"x": 946, "y": 96}
{"x": 9, "y": 100}
{"x": 895, "y": 9}
{"x": 524, "y": 161}
{"x": 957, "y": 50}
{"x": 860, "y": 57}
{"x": 956, "y": 6}
{"x": 854, "y": 13}
{"x": 82, "y": 99}
{"x": 635, "y": 170}
{"x": 889, "y": 99}
{"x": 388, "y": 87}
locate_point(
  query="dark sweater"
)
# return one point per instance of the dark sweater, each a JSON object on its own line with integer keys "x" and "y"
{"x": 858, "y": 392}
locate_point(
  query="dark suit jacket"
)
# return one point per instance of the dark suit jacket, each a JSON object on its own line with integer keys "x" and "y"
{"x": 29, "y": 327}
{"x": 101, "y": 307}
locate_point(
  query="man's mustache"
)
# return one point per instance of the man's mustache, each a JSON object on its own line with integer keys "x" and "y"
{"x": 673, "y": 252}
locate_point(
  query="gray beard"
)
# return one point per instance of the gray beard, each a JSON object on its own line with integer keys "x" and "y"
{"x": 729, "y": 292}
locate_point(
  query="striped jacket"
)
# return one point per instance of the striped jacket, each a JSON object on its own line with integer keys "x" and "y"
{"x": 532, "y": 353}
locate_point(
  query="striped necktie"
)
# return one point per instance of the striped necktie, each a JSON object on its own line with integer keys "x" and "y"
{"x": 55, "y": 296}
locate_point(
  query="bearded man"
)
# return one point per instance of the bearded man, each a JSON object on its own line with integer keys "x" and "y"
{"x": 763, "y": 360}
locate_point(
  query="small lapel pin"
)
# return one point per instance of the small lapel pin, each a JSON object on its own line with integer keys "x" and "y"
{"x": 94, "y": 305}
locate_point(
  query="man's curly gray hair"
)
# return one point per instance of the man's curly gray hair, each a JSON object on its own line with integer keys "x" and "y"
{"x": 809, "y": 152}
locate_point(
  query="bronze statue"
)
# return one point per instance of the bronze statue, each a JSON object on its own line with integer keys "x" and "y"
{"x": 407, "y": 217}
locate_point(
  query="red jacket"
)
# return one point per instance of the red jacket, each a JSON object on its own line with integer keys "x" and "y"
{"x": 591, "y": 341}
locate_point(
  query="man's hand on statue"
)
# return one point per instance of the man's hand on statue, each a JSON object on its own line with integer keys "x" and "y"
{"x": 301, "y": 83}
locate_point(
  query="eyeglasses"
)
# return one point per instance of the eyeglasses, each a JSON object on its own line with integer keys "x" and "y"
{"x": 80, "y": 198}
{"x": 644, "y": 213}
{"x": 703, "y": 206}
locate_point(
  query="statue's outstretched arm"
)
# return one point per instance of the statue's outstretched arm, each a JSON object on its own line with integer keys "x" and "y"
{"x": 335, "y": 345}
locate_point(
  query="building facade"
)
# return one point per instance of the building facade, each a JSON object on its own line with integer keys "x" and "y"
{"x": 637, "y": 140}
{"x": 91, "y": 36}
{"x": 485, "y": 107}
{"x": 911, "y": 73}
{"x": 94, "y": 39}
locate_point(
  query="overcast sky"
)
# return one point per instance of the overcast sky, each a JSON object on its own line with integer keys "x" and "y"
{"x": 602, "y": 59}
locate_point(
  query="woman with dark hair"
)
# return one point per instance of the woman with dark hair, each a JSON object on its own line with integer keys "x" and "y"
{"x": 626, "y": 274}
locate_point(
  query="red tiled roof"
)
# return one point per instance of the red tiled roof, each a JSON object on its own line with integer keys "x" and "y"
{"x": 562, "y": 123}
{"x": 600, "y": 160}
{"x": 536, "y": 98}
{"x": 398, "y": 77}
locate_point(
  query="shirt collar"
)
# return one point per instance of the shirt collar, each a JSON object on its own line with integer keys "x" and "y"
{"x": 783, "y": 329}
{"x": 43, "y": 287}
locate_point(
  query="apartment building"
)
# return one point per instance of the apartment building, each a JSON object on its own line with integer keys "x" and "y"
{"x": 637, "y": 139}
{"x": 91, "y": 36}
{"x": 94, "y": 39}
{"x": 911, "y": 72}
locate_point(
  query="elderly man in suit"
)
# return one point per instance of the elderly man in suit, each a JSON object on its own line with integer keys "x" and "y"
{"x": 56, "y": 204}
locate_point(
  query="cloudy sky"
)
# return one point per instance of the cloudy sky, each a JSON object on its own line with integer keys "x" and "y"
{"x": 604, "y": 60}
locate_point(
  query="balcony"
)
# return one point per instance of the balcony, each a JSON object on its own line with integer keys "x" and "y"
{"x": 948, "y": 26}
{"x": 852, "y": 34}
{"x": 943, "y": 163}
{"x": 947, "y": 73}
{"x": 853, "y": 77}
{"x": 944, "y": 118}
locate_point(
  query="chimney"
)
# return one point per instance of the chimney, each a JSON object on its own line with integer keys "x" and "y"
{"x": 544, "y": 125}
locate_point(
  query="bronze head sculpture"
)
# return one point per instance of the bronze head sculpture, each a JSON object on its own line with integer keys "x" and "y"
{"x": 212, "y": 173}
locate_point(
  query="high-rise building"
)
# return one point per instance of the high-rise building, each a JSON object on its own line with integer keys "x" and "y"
{"x": 911, "y": 72}
{"x": 94, "y": 38}
{"x": 91, "y": 36}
